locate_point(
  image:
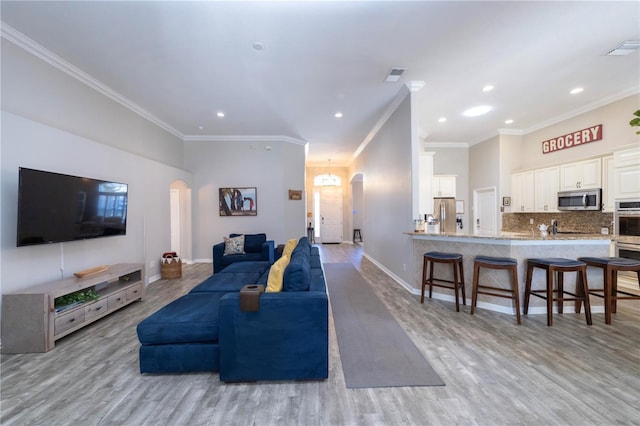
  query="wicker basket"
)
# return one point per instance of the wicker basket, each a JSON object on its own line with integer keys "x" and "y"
{"x": 171, "y": 268}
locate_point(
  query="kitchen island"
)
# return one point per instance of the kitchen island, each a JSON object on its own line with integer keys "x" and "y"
{"x": 519, "y": 246}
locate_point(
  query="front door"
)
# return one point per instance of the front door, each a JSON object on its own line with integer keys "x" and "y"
{"x": 331, "y": 214}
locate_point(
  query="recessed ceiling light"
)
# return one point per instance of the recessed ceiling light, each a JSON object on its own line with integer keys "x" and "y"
{"x": 509, "y": 121}
{"x": 201, "y": 127}
{"x": 258, "y": 45}
{"x": 338, "y": 115}
{"x": 442, "y": 119}
{"x": 576, "y": 90}
{"x": 476, "y": 111}
{"x": 488, "y": 88}
{"x": 220, "y": 114}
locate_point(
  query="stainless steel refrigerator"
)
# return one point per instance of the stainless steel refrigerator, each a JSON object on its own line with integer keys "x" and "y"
{"x": 444, "y": 209}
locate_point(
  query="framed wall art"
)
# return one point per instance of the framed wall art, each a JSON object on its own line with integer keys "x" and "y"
{"x": 238, "y": 201}
{"x": 295, "y": 194}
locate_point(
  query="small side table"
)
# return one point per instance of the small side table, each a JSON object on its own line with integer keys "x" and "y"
{"x": 311, "y": 235}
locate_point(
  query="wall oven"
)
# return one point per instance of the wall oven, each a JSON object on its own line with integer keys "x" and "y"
{"x": 626, "y": 222}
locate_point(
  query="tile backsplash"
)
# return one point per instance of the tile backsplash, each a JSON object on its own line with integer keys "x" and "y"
{"x": 587, "y": 222}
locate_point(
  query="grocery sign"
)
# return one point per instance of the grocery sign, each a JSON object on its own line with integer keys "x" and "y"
{"x": 570, "y": 140}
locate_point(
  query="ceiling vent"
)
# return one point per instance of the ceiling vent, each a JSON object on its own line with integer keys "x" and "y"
{"x": 394, "y": 75}
{"x": 625, "y": 48}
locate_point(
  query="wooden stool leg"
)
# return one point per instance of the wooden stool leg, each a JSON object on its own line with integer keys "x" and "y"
{"x": 582, "y": 277}
{"x": 431, "y": 266}
{"x": 560, "y": 276}
{"x": 516, "y": 297}
{"x": 455, "y": 285}
{"x": 527, "y": 288}
{"x": 464, "y": 296}
{"x": 614, "y": 291}
{"x": 550, "y": 296}
{"x": 424, "y": 278}
{"x": 608, "y": 294}
{"x": 474, "y": 288}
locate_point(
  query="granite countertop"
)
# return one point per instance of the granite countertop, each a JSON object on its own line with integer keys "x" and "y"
{"x": 522, "y": 236}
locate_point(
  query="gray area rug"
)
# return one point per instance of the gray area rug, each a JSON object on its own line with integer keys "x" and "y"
{"x": 374, "y": 349}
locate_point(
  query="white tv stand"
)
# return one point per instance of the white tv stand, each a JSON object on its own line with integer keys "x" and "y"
{"x": 30, "y": 322}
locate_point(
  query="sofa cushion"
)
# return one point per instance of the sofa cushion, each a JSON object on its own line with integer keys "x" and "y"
{"x": 276, "y": 273}
{"x": 226, "y": 283}
{"x": 244, "y": 267}
{"x": 252, "y": 242}
{"x": 233, "y": 245}
{"x": 190, "y": 318}
{"x": 297, "y": 275}
{"x": 289, "y": 246}
{"x": 303, "y": 249}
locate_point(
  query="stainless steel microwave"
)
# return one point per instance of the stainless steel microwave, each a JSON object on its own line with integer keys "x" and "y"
{"x": 580, "y": 200}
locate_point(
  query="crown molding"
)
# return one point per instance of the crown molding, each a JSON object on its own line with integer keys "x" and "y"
{"x": 589, "y": 107}
{"x": 243, "y": 138}
{"x": 426, "y": 145}
{"x": 514, "y": 132}
{"x": 16, "y": 37}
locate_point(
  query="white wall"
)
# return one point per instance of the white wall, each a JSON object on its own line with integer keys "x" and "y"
{"x": 34, "y": 89}
{"x": 246, "y": 164}
{"x": 386, "y": 165}
{"x": 50, "y": 121}
{"x": 616, "y": 132}
{"x": 26, "y": 143}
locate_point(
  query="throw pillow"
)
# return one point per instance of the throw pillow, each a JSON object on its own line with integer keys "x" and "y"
{"x": 234, "y": 245}
{"x": 276, "y": 273}
{"x": 289, "y": 246}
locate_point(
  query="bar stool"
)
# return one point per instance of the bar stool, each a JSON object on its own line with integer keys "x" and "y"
{"x": 610, "y": 267}
{"x": 489, "y": 262}
{"x": 558, "y": 266}
{"x": 357, "y": 234}
{"x": 455, "y": 259}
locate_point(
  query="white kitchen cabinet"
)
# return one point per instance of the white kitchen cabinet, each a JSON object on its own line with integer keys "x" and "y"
{"x": 608, "y": 192}
{"x": 626, "y": 173}
{"x": 546, "y": 185}
{"x": 443, "y": 186}
{"x": 522, "y": 192}
{"x": 626, "y": 182}
{"x": 581, "y": 175}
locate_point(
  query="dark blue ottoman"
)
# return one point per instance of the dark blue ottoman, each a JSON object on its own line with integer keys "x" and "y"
{"x": 182, "y": 336}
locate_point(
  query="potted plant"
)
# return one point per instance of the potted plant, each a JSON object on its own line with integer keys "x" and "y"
{"x": 636, "y": 121}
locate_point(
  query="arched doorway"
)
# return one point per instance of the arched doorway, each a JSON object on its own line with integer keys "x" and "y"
{"x": 180, "y": 218}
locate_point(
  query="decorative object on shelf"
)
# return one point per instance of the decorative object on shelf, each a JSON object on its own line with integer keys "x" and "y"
{"x": 295, "y": 194}
{"x": 506, "y": 201}
{"x": 238, "y": 201}
{"x": 636, "y": 121}
{"x": 91, "y": 271}
{"x": 70, "y": 300}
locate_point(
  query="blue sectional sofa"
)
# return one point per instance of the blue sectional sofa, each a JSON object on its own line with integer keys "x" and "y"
{"x": 256, "y": 248}
{"x": 205, "y": 330}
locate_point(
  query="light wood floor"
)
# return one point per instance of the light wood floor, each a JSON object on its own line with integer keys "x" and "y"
{"x": 496, "y": 373}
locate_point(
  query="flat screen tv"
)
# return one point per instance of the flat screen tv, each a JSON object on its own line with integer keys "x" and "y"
{"x": 54, "y": 207}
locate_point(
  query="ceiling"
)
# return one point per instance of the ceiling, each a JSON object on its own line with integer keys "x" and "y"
{"x": 182, "y": 62}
